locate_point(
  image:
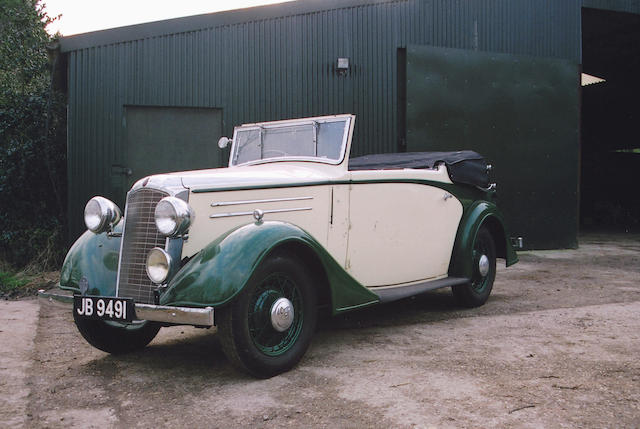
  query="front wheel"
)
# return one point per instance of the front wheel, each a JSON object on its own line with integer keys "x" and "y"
{"x": 476, "y": 292}
{"x": 267, "y": 329}
{"x": 115, "y": 337}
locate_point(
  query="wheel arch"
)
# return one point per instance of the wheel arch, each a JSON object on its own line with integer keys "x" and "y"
{"x": 496, "y": 229}
{"x": 482, "y": 213}
{"x": 313, "y": 263}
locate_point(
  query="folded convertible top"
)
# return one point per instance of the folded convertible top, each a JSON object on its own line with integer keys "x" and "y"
{"x": 464, "y": 166}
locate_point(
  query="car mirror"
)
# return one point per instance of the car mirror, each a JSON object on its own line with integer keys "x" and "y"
{"x": 223, "y": 142}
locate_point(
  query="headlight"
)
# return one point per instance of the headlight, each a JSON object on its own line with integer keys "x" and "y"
{"x": 101, "y": 215}
{"x": 173, "y": 216}
{"x": 158, "y": 265}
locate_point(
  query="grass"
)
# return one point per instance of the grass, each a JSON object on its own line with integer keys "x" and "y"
{"x": 23, "y": 283}
{"x": 11, "y": 283}
{"x": 16, "y": 285}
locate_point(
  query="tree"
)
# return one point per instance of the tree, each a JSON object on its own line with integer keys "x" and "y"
{"x": 32, "y": 140}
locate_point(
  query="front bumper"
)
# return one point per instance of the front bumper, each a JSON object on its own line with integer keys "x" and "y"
{"x": 155, "y": 313}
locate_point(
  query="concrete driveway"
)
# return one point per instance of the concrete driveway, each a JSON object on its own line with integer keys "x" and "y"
{"x": 557, "y": 345}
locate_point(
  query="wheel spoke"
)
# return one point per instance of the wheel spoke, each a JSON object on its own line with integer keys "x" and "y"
{"x": 266, "y": 338}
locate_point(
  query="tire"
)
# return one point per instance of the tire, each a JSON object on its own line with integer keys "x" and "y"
{"x": 114, "y": 337}
{"x": 476, "y": 292}
{"x": 248, "y": 336}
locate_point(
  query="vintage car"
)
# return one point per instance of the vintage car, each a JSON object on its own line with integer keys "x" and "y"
{"x": 290, "y": 227}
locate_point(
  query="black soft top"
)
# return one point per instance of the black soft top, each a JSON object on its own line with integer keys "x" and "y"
{"x": 465, "y": 166}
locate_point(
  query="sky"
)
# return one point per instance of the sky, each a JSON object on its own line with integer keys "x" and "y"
{"x": 81, "y": 16}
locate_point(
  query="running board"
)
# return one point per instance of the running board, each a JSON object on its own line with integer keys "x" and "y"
{"x": 394, "y": 293}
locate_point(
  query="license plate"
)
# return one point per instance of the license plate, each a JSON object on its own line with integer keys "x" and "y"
{"x": 104, "y": 308}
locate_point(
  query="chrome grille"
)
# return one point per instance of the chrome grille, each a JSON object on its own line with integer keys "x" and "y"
{"x": 140, "y": 236}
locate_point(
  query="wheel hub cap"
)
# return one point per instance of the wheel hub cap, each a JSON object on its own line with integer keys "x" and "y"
{"x": 483, "y": 265}
{"x": 282, "y": 314}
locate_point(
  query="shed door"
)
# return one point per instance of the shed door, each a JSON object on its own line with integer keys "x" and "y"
{"x": 519, "y": 112}
{"x": 166, "y": 139}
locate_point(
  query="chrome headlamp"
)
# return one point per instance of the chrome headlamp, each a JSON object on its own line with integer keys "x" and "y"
{"x": 101, "y": 215}
{"x": 173, "y": 216}
{"x": 158, "y": 265}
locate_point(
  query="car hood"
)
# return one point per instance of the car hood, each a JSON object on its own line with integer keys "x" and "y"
{"x": 249, "y": 176}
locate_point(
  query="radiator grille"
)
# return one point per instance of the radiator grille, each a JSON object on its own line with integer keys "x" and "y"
{"x": 140, "y": 236}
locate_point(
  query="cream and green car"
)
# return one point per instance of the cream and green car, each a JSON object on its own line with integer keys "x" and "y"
{"x": 291, "y": 226}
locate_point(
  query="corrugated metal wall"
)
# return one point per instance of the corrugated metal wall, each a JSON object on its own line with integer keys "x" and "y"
{"x": 284, "y": 67}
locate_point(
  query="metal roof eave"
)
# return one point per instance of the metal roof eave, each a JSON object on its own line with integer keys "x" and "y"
{"x": 204, "y": 21}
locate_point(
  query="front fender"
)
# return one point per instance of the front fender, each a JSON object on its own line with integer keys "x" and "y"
{"x": 92, "y": 262}
{"x": 220, "y": 271}
{"x": 478, "y": 214}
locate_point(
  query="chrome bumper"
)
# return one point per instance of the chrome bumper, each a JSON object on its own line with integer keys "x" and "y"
{"x": 156, "y": 313}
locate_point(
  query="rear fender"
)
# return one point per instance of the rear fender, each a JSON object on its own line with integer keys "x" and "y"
{"x": 479, "y": 214}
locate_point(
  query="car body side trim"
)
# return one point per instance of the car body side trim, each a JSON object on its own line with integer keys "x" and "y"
{"x": 388, "y": 294}
{"x": 249, "y": 213}
{"x": 270, "y": 200}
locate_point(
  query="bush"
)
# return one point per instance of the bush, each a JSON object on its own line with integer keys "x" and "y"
{"x": 32, "y": 141}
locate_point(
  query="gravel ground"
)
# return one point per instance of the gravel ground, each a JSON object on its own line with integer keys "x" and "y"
{"x": 557, "y": 345}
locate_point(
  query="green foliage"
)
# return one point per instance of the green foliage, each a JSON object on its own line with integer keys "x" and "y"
{"x": 11, "y": 282}
{"x": 24, "y": 68}
{"x": 32, "y": 140}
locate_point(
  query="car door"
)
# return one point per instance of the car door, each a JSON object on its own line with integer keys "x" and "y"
{"x": 399, "y": 232}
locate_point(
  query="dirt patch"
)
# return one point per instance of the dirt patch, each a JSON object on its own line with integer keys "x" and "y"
{"x": 555, "y": 346}
{"x": 30, "y": 284}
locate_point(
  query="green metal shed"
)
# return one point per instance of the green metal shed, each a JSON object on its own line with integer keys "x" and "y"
{"x": 498, "y": 76}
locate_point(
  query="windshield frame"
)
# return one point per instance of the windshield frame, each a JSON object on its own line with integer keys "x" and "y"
{"x": 347, "y": 119}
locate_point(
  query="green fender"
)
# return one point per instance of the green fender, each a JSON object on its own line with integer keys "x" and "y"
{"x": 478, "y": 214}
{"x": 221, "y": 270}
{"x": 93, "y": 257}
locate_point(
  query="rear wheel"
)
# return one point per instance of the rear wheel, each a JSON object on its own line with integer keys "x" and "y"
{"x": 115, "y": 337}
{"x": 476, "y": 292}
{"x": 267, "y": 329}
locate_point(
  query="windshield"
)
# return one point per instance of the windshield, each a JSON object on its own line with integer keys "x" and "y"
{"x": 322, "y": 140}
